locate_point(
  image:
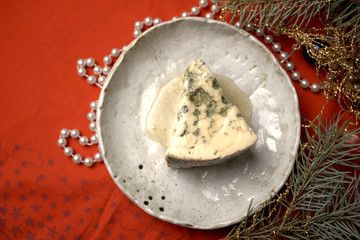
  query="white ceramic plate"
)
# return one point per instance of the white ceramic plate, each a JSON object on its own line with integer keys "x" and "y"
{"x": 204, "y": 197}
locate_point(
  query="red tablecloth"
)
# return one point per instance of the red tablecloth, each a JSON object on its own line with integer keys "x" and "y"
{"x": 43, "y": 194}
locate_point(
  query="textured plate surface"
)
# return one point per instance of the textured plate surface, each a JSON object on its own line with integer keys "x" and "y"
{"x": 206, "y": 197}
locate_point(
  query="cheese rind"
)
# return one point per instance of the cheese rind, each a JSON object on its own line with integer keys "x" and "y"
{"x": 208, "y": 129}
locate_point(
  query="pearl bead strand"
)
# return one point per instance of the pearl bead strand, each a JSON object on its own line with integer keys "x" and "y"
{"x": 83, "y": 140}
{"x": 284, "y": 57}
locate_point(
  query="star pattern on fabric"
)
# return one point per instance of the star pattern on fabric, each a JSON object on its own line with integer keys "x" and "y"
{"x": 31, "y": 192}
{"x": 29, "y": 221}
{"x": 81, "y": 221}
{"x": 5, "y": 196}
{"x": 49, "y": 218}
{"x": 35, "y": 208}
{"x": 100, "y": 210}
{"x": 23, "y": 197}
{"x": 66, "y": 213}
{"x": 140, "y": 236}
{"x": 24, "y": 163}
{"x": 41, "y": 225}
{"x": 108, "y": 232}
{"x": 17, "y": 148}
{"x": 17, "y": 212}
{"x": 40, "y": 177}
{"x": 164, "y": 235}
{"x": 96, "y": 226}
{"x": 3, "y": 210}
{"x": 52, "y": 232}
{"x": 30, "y": 236}
{"x": 51, "y": 162}
{"x": 68, "y": 228}
{"x": 16, "y": 229}
{"x": 87, "y": 209}
{"x": 20, "y": 184}
{"x": 52, "y": 205}
{"x": 44, "y": 196}
{"x": 138, "y": 216}
{"x": 7, "y": 183}
{"x": 17, "y": 172}
{"x": 64, "y": 179}
{"x": 2, "y": 223}
{"x": 87, "y": 198}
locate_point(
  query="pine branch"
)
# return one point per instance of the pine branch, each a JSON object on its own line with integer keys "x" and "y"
{"x": 320, "y": 201}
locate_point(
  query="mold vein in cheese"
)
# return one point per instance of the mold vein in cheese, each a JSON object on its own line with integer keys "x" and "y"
{"x": 207, "y": 127}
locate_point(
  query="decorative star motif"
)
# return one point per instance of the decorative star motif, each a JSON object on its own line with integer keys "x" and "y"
{"x": 7, "y": 183}
{"x": 41, "y": 225}
{"x": 64, "y": 179}
{"x": 130, "y": 203}
{"x": 164, "y": 235}
{"x": 81, "y": 221}
{"x": 52, "y": 232}
{"x": 140, "y": 236}
{"x": 30, "y": 236}
{"x": 138, "y": 216}
{"x": 17, "y": 212}
{"x": 68, "y": 228}
{"x": 87, "y": 198}
{"x": 5, "y": 196}
{"x": 17, "y": 148}
{"x": 36, "y": 208}
{"x": 96, "y": 226}
{"x": 49, "y": 218}
{"x": 16, "y": 229}
{"x": 24, "y": 163}
{"x": 114, "y": 204}
{"x": 52, "y": 205}
{"x": 29, "y": 221}
{"x": 112, "y": 221}
{"x": 66, "y": 213}
{"x": 121, "y": 237}
{"x": 31, "y": 192}
{"x": 2, "y": 223}
{"x": 23, "y": 197}
{"x": 84, "y": 182}
{"x": 40, "y": 177}
{"x": 101, "y": 210}
{"x": 108, "y": 232}
{"x": 17, "y": 172}
{"x": 67, "y": 198}
{"x": 44, "y": 196}
{"x": 51, "y": 162}
{"x": 20, "y": 184}
{"x": 3, "y": 210}
{"x": 87, "y": 210}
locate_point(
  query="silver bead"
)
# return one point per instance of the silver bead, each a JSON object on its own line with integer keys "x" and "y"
{"x": 94, "y": 139}
{"x": 101, "y": 80}
{"x": 107, "y": 60}
{"x": 97, "y": 70}
{"x": 203, "y": 3}
{"x": 157, "y": 21}
{"x": 209, "y": 15}
{"x": 276, "y": 47}
{"x": 139, "y": 25}
{"x": 249, "y": 27}
{"x": 115, "y": 52}
{"x": 148, "y": 21}
{"x": 74, "y": 133}
{"x": 356, "y": 86}
{"x": 195, "y": 11}
{"x": 91, "y": 116}
{"x": 315, "y": 87}
{"x": 268, "y": 39}
{"x": 92, "y": 126}
{"x": 61, "y": 142}
{"x": 83, "y": 140}
{"x": 81, "y": 63}
{"x": 91, "y": 79}
{"x": 90, "y": 62}
{"x": 77, "y": 158}
{"x": 124, "y": 48}
{"x": 238, "y": 24}
{"x": 185, "y": 14}
{"x": 98, "y": 157}
{"x": 93, "y": 105}
{"x": 106, "y": 70}
{"x": 136, "y": 33}
{"x": 284, "y": 55}
{"x": 81, "y": 72}
{"x": 88, "y": 162}
{"x": 289, "y": 66}
{"x": 304, "y": 83}
{"x": 215, "y": 9}
{"x": 174, "y": 18}
{"x": 296, "y": 76}
{"x": 68, "y": 151}
{"x": 259, "y": 32}
{"x": 64, "y": 133}
{"x": 351, "y": 78}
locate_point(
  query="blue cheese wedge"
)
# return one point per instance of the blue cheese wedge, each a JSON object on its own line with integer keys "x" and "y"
{"x": 207, "y": 129}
